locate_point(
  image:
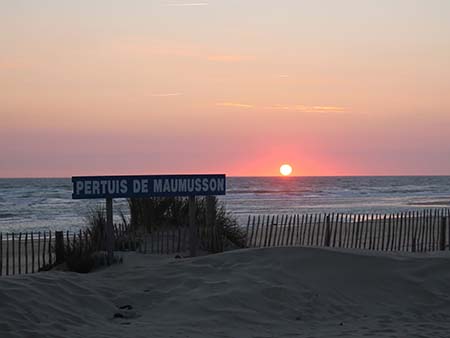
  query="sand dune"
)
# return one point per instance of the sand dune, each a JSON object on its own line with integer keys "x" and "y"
{"x": 278, "y": 292}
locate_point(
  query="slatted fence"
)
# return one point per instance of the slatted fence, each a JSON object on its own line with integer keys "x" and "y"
{"x": 415, "y": 231}
{"x": 30, "y": 252}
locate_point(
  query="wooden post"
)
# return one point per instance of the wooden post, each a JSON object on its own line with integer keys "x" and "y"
{"x": 253, "y": 232}
{"x": 400, "y": 232}
{"x": 43, "y": 251}
{"x": 39, "y": 251}
{"x": 448, "y": 232}
{"x": 19, "y": 256}
{"x": 272, "y": 224}
{"x": 13, "y": 255}
{"x": 279, "y": 231}
{"x": 7, "y": 255}
{"x": 294, "y": 222}
{"x": 109, "y": 231}
{"x": 327, "y": 231}
{"x": 442, "y": 234}
{"x": 266, "y": 230}
{"x": 50, "y": 248}
{"x": 336, "y": 222}
{"x": 257, "y": 242}
{"x": 275, "y": 231}
{"x": 178, "y": 239}
{"x": 32, "y": 252}
{"x": 1, "y": 253}
{"x": 68, "y": 242}
{"x": 26, "y": 253}
{"x": 246, "y": 231}
{"x": 309, "y": 240}
{"x": 318, "y": 226}
{"x": 304, "y": 221}
{"x": 193, "y": 235}
{"x": 59, "y": 247}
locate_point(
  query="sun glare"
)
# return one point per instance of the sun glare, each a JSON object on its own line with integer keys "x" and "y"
{"x": 285, "y": 170}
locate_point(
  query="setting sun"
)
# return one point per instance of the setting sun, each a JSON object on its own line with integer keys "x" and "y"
{"x": 285, "y": 170}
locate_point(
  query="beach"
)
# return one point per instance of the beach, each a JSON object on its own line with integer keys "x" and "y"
{"x": 272, "y": 292}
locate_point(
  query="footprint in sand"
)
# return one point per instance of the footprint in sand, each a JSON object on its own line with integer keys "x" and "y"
{"x": 125, "y": 312}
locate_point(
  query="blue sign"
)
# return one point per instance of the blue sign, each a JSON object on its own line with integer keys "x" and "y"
{"x": 88, "y": 187}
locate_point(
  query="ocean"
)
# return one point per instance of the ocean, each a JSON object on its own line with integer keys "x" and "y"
{"x": 32, "y": 204}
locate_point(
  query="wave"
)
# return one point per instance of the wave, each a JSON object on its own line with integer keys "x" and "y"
{"x": 437, "y": 203}
{"x": 7, "y": 215}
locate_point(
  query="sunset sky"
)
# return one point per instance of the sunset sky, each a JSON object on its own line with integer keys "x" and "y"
{"x": 350, "y": 87}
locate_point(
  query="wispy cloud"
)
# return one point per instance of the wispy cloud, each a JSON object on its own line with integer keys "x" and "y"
{"x": 319, "y": 109}
{"x": 278, "y": 107}
{"x": 188, "y": 4}
{"x": 308, "y": 109}
{"x": 234, "y": 104}
{"x": 165, "y": 94}
{"x": 292, "y": 108}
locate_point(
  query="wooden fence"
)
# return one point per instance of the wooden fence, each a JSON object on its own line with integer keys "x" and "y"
{"x": 427, "y": 230}
{"x": 27, "y": 252}
{"x": 30, "y": 252}
{"x": 177, "y": 239}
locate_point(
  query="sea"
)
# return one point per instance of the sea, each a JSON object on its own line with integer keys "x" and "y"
{"x": 40, "y": 204}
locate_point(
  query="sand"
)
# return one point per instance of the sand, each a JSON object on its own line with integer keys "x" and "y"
{"x": 276, "y": 292}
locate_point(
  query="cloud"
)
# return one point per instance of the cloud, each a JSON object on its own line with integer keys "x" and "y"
{"x": 308, "y": 109}
{"x": 293, "y": 108}
{"x": 189, "y": 4}
{"x": 234, "y": 104}
{"x": 278, "y": 107}
{"x": 320, "y": 109}
{"x": 165, "y": 94}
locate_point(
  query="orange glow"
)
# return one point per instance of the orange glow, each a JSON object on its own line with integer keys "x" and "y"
{"x": 285, "y": 170}
{"x": 103, "y": 100}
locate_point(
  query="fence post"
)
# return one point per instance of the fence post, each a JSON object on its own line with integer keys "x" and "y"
{"x": 109, "y": 231}
{"x": 442, "y": 234}
{"x": 327, "y": 231}
{"x": 413, "y": 244}
{"x": 59, "y": 247}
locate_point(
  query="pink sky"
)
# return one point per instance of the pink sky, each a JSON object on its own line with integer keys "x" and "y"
{"x": 333, "y": 88}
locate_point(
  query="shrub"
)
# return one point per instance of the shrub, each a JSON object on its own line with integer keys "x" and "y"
{"x": 88, "y": 253}
{"x": 150, "y": 214}
{"x": 81, "y": 262}
{"x": 96, "y": 226}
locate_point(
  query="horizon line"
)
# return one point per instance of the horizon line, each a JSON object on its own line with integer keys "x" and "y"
{"x": 232, "y": 176}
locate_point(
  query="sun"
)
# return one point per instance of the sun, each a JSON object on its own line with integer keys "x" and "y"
{"x": 285, "y": 170}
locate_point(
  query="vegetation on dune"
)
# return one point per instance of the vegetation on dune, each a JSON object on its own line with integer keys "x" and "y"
{"x": 147, "y": 215}
{"x": 155, "y": 213}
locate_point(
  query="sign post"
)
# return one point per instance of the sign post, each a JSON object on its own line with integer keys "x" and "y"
{"x": 109, "y": 230}
{"x": 193, "y": 229}
{"x": 109, "y": 187}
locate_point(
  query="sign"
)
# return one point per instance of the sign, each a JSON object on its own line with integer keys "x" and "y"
{"x": 89, "y": 187}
